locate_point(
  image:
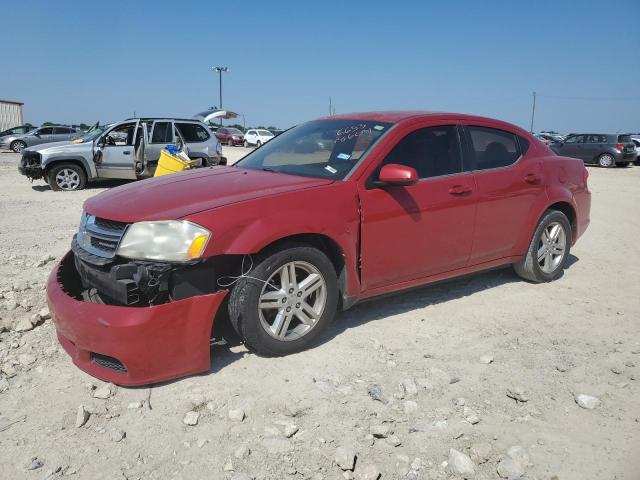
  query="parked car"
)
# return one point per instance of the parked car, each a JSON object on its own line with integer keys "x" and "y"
{"x": 230, "y": 136}
{"x": 606, "y": 150}
{"x": 636, "y": 142}
{"x": 292, "y": 232}
{"x": 41, "y": 135}
{"x": 257, "y": 137}
{"x": 276, "y": 132}
{"x": 543, "y": 139}
{"x": 19, "y": 130}
{"x": 126, "y": 150}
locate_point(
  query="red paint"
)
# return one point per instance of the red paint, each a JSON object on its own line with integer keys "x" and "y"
{"x": 393, "y": 237}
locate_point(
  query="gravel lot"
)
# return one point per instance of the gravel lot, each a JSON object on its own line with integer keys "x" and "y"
{"x": 432, "y": 384}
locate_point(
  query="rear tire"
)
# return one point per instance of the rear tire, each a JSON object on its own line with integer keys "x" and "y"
{"x": 66, "y": 177}
{"x": 17, "y": 146}
{"x": 606, "y": 160}
{"x": 539, "y": 263}
{"x": 267, "y": 310}
{"x": 259, "y": 143}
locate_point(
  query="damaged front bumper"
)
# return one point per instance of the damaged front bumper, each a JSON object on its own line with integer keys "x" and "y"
{"x": 31, "y": 165}
{"x": 131, "y": 345}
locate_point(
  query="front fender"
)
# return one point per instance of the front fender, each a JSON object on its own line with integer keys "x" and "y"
{"x": 89, "y": 167}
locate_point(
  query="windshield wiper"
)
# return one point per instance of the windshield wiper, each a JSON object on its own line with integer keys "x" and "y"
{"x": 267, "y": 169}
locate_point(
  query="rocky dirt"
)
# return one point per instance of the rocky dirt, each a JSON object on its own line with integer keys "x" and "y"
{"x": 485, "y": 377}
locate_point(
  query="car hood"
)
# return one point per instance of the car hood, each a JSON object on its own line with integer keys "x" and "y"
{"x": 177, "y": 195}
{"x": 60, "y": 147}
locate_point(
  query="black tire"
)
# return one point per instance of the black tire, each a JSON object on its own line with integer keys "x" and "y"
{"x": 606, "y": 160}
{"x": 529, "y": 268}
{"x": 17, "y": 146}
{"x": 259, "y": 143}
{"x": 246, "y": 144}
{"x": 57, "y": 168}
{"x": 229, "y": 143}
{"x": 244, "y": 299}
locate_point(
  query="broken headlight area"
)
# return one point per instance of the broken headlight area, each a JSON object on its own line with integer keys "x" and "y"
{"x": 136, "y": 283}
{"x": 31, "y": 165}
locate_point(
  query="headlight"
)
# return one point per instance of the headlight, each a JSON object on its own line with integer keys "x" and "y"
{"x": 171, "y": 241}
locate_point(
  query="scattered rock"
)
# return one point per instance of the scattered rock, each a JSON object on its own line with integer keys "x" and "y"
{"x": 242, "y": 452}
{"x": 459, "y": 402}
{"x": 368, "y": 472}
{"x": 117, "y": 435}
{"x": 394, "y": 440}
{"x": 510, "y": 469}
{"x": 518, "y": 394}
{"x": 35, "y": 464}
{"x": 228, "y": 466}
{"x": 82, "y": 416}
{"x": 461, "y": 464}
{"x": 379, "y": 431}
{"x": 470, "y": 416}
{"x": 409, "y": 387}
{"x": 134, "y": 405}
{"x": 44, "y": 313}
{"x": 191, "y": 418}
{"x": 486, "y": 359}
{"x": 345, "y": 457}
{"x": 25, "y": 359}
{"x": 23, "y": 325}
{"x": 480, "y": 452}
{"x": 44, "y": 260}
{"x": 587, "y": 401}
{"x": 237, "y": 414}
{"x": 375, "y": 392}
{"x": 617, "y": 369}
{"x": 290, "y": 430}
{"x": 105, "y": 391}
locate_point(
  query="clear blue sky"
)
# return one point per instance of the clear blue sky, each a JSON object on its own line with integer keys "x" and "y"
{"x": 101, "y": 60}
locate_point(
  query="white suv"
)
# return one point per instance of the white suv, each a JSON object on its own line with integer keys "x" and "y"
{"x": 255, "y": 136}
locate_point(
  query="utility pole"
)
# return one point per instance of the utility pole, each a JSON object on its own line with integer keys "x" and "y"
{"x": 220, "y": 70}
{"x": 533, "y": 111}
{"x": 330, "y": 106}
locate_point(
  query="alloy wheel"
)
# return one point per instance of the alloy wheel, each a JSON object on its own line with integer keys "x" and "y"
{"x": 68, "y": 179}
{"x": 606, "y": 160}
{"x": 292, "y": 301}
{"x": 18, "y": 147}
{"x": 552, "y": 247}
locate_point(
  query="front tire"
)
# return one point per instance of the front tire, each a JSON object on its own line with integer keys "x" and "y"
{"x": 606, "y": 160}
{"x": 549, "y": 249}
{"x": 259, "y": 143}
{"x": 229, "y": 143}
{"x": 17, "y": 146}
{"x": 66, "y": 177}
{"x": 286, "y": 301}
{"x": 246, "y": 144}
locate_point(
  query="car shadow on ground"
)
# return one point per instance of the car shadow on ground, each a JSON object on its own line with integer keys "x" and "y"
{"x": 90, "y": 186}
{"x": 370, "y": 310}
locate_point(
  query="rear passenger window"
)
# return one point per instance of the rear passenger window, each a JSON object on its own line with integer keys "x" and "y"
{"x": 161, "y": 133}
{"x": 192, "y": 132}
{"x": 432, "y": 151}
{"x": 492, "y": 148}
{"x": 596, "y": 139}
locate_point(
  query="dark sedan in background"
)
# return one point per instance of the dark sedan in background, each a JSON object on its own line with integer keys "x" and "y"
{"x": 606, "y": 150}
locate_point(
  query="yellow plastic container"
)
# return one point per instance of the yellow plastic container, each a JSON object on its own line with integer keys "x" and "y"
{"x": 170, "y": 164}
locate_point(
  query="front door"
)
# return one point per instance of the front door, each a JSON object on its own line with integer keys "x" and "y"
{"x": 116, "y": 157}
{"x": 508, "y": 185}
{"x": 423, "y": 229}
{"x": 574, "y": 147}
{"x": 43, "y": 135}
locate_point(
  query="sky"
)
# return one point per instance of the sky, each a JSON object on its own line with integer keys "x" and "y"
{"x": 89, "y": 61}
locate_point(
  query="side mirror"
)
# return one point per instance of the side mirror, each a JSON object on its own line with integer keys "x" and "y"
{"x": 37, "y": 134}
{"x": 394, "y": 174}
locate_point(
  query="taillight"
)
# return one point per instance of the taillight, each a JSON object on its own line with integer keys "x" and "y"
{"x": 620, "y": 146}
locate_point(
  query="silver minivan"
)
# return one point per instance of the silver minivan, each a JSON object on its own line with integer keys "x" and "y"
{"x": 126, "y": 150}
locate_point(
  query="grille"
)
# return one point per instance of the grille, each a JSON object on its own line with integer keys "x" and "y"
{"x": 108, "y": 362}
{"x": 99, "y": 236}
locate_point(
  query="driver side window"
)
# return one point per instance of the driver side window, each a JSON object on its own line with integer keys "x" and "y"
{"x": 122, "y": 135}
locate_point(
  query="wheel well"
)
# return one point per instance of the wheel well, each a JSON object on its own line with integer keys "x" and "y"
{"x": 58, "y": 162}
{"x": 323, "y": 243}
{"x": 568, "y": 210}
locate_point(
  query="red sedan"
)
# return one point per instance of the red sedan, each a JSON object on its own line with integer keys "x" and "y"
{"x": 329, "y": 213}
{"x": 231, "y": 137}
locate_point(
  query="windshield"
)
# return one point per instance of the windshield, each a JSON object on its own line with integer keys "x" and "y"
{"x": 91, "y": 135}
{"x": 234, "y": 131}
{"x": 265, "y": 133}
{"x": 320, "y": 148}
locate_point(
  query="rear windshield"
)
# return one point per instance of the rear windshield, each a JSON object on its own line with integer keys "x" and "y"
{"x": 624, "y": 138}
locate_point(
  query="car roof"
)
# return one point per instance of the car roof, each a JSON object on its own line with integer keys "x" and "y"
{"x": 163, "y": 118}
{"x": 397, "y": 116}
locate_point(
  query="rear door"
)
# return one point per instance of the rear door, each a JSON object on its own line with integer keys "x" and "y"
{"x": 594, "y": 145}
{"x": 574, "y": 146}
{"x": 508, "y": 183}
{"x": 412, "y": 232}
{"x": 161, "y": 136}
{"x": 61, "y": 134}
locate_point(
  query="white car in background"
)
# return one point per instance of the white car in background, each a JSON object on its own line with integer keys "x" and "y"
{"x": 636, "y": 140}
{"x": 255, "y": 136}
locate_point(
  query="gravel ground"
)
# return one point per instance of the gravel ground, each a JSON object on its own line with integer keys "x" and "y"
{"x": 484, "y": 377}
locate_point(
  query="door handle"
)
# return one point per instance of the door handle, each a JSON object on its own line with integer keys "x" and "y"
{"x": 533, "y": 178}
{"x": 126, "y": 152}
{"x": 460, "y": 190}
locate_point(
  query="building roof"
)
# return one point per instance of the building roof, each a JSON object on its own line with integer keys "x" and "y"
{"x": 11, "y": 101}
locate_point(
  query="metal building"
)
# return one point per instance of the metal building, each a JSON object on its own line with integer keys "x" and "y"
{"x": 10, "y": 114}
